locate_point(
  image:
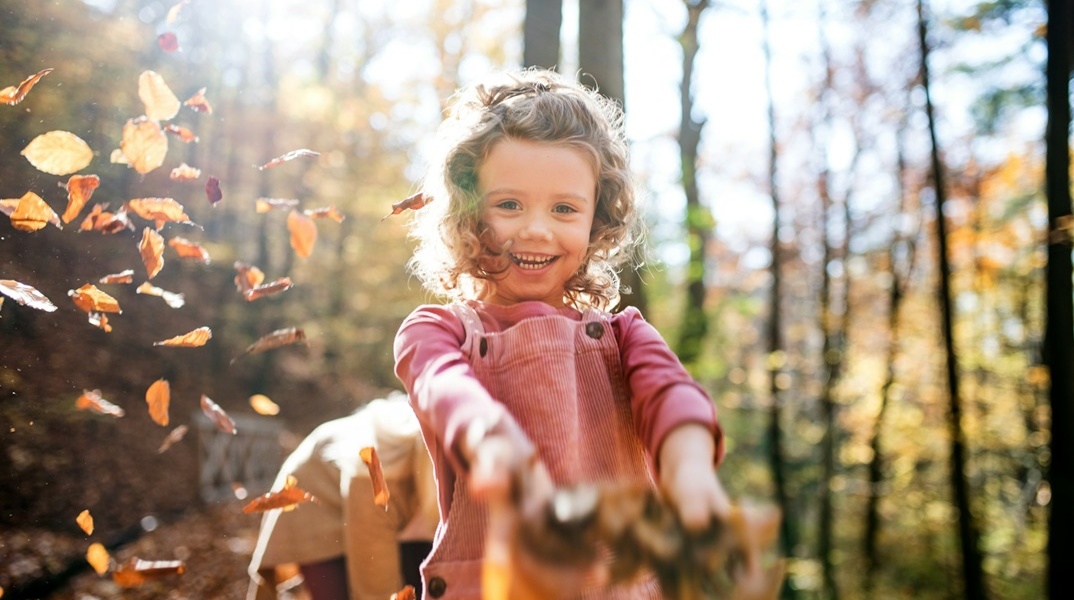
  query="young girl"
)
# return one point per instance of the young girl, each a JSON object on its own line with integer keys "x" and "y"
{"x": 524, "y": 376}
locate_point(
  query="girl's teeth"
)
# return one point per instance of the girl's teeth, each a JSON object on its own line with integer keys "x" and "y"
{"x": 532, "y": 262}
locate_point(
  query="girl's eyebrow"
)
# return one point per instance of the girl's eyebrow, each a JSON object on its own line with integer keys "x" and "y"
{"x": 515, "y": 192}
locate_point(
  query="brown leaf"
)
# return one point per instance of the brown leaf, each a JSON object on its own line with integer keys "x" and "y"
{"x": 303, "y": 233}
{"x": 276, "y": 339}
{"x": 376, "y": 476}
{"x": 136, "y": 571}
{"x": 144, "y": 144}
{"x": 92, "y": 400}
{"x": 14, "y": 94}
{"x": 279, "y": 160}
{"x": 193, "y": 339}
{"x": 286, "y": 499}
{"x": 328, "y": 212}
{"x": 212, "y": 190}
{"x": 189, "y": 250}
{"x": 58, "y": 153}
{"x": 247, "y": 276}
{"x": 198, "y": 103}
{"x": 160, "y": 102}
{"x": 264, "y": 205}
{"x": 106, "y": 222}
{"x": 79, "y": 190}
{"x": 91, "y": 299}
{"x": 26, "y": 295}
{"x": 174, "y": 437}
{"x": 98, "y": 558}
{"x": 152, "y": 249}
{"x": 126, "y": 276}
{"x": 263, "y": 405}
{"x": 172, "y": 299}
{"x": 185, "y": 172}
{"x": 85, "y": 521}
{"x": 413, "y": 202}
{"x": 168, "y": 42}
{"x": 159, "y": 210}
{"x": 217, "y": 415}
{"x": 31, "y": 213}
{"x": 268, "y": 289}
{"x": 157, "y": 397}
{"x": 182, "y": 133}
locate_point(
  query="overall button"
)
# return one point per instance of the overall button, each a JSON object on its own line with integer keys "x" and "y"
{"x": 594, "y": 329}
{"x": 437, "y": 587}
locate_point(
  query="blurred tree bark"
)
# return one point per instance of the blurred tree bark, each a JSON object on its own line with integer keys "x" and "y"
{"x": 540, "y": 33}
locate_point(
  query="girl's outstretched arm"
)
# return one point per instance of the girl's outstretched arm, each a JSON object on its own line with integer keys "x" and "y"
{"x": 688, "y": 476}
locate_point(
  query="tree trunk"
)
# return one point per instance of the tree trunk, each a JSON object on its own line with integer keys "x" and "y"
{"x": 540, "y": 33}
{"x": 972, "y": 571}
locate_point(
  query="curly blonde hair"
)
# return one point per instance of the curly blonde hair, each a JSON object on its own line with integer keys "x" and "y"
{"x": 454, "y": 253}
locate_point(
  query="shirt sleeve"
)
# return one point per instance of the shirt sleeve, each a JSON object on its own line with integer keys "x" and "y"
{"x": 663, "y": 395}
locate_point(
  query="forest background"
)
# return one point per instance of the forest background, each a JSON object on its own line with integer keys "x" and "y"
{"x": 823, "y": 345}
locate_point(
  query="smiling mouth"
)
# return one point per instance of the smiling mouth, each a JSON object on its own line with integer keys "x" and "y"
{"x": 532, "y": 261}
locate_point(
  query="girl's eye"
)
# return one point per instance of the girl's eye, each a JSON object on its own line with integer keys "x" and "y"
{"x": 563, "y": 209}
{"x": 508, "y": 205}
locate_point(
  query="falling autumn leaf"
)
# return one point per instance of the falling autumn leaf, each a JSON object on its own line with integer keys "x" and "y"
{"x": 198, "y": 103}
{"x": 276, "y": 339}
{"x": 264, "y": 205}
{"x": 184, "y": 172}
{"x": 160, "y": 102}
{"x": 413, "y": 202}
{"x": 118, "y": 158}
{"x": 247, "y": 276}
{"x": 32, "y": 213}
{"x": 263, "y": 405}
{"x": 159, "y": 210}
{"x": 175, "y": 436}
{"x": 212, "y": 190}
{"x": 173, "y": 12}
{"x": 279, "y": 160}
{"x": 126, "y": 276}
{"x": 182, "y": 133}
{"x": 85, "y": 521}
{"x": 328, "y": 212}
{"x": 268, "y": 289}
{"x": 189, "y": 250}
{"x": 98, "y": 558}
{"x": 286, "y": 499}
{"x": 303, "y": 233}
{"x": 99, "y": 320}
{"x": 12, "y": 95}
{"x": 144, "y": 144}
{"x": 106, "y": 222}
{"x": 26, "y": 295}
{"x": 136, "y": 571}
{"x": 91, "y": 299}
{"x": 172, "y": 299}
{"x": 58, "y": 153}
{"x": 79, "y": 190}
{"x": 152, "y": 249}
{"x": 92, "y": 400}
{"x": 376, "y": 476}
{"x": 407, "y": 593}
{"x": 168, "y": 42}
{"x": 157, "y": 397}
{"x": 193, "y": 339}
{"x": 217, "y": 415}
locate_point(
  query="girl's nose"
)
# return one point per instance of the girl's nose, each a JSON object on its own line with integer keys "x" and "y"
{"x": 535, "y": 228}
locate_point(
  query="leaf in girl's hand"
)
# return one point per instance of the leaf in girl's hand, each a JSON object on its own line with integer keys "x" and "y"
{"x": 279, "y": 160}
{"x": 92, "y": 400}
{"x": 198, "y": 103}
{"x": 14, "y": 94}
{"x": 247, "y": 277}
{"x": 413, "y": 202}
{"x": 136, "y": 571}
{"x": 268, "y": 289}
{"x": 168, "y": 42}
{"x": 26, "y": 295}
{"x": 58, "y": 153}
{"x": 85, "y": 521}
{"x": 99, "y": 320}
{"x": 174, "y": 437}
{"x": 184, "y": 172}
{"x": 217, "y": 415}
{"x": 106, "y": 222}
{"x": 193, "y": 339}
{"x": 152, "y": 250}
{"x": 189, "y": 250}
{"x": 160, "y": 102}
{"x": 263, "y": 405}
{"x": 79, "y": 190}
{"x": 91, "y": 299}
{"x": 376, "y": 476}
{"x": 144, "y": 144}
{"x": 407, "y": 593}
{"x": 181, "y": 132}
{"x": 172, "y": 299}
{"x": 286, "y": 499}
{"x": 159, "y": 210}
{"x": 157, "y": 397}
{"x": 98, "y": 558}
{"x": 276, "y": 339}
{"x": 31, "y": 213}
{"x": 264, "y": 205}
{"x": 212, "y": 190}
{"x": 126, "y": 276}
{"x": 328, "y": 212}
{"x": 303, "y": 233}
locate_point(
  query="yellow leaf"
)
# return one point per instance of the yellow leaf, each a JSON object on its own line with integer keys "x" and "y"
{"x": 263, "y": 405}
{"x": 193, "y": 339}
{"x": 152, "y": 250}
{"x": 303, "y": 233}
{"x": 144, "y": 144}
{"x": 98, "y": 558}
{"x": 85, "y": 521}
{"x": 58, "y": 153}
{"x": 33, "y": 213}
{"x": 161, "y": 104}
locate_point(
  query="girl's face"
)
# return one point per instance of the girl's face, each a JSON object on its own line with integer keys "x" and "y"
{"x": 539, "y": 200}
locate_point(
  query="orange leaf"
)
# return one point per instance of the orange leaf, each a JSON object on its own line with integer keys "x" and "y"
{"x": 98, "y": 558}
{"x": 91, "y": 400}
{"x": 189, "y": 250}
{"x": 198, "y": 103}
{"x": 152, "y": 249}
{"x": 182, "y": 133}
{"x": 85, "y": 521}
{"x": 91, "y": 299}
{"x": 26, "y": 295}
{"x": 276, "y": 339}
{"x": 328, "y": 212}
{"x": 58, "y": 153}
{"x": 100, "y": 320}
{"x": 198, "y": 337}
{"x": 160, "y": 102}
{"x": 126, "y": 276}
{"x": 136, "y": 571}
{"x": 14, "y": 94}
{"x": 303, "y": 233}
{"x": 185, "y": 172}
{"x": 247, "y": 276}
{"x": 106, "y": 222}
{"x": 157, "y": 397}
{"x": 144, "y": 144}
{"x": 413, "y": 202}
{"x": 217, "y": 415}
{"x": 170, "y": 298}
{"x": 263, "y": 405}
{"x": 376, "y": 476}
{"x": 159, "y": 210}
{"x": 268, "y": 289}
{"x": 264, "y": 205}
{"x": 174, "y": 437}
{"x": 168, "y": 42}
{"x": 279, "y": 160}
{"x": 79, "y": 189}
{"x": 32, "y": 213}
{"x": 407, "y": 593}
{"x": 286, "y": 499}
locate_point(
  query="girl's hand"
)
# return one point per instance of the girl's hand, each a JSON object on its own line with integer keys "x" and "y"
{"x": 688, "y": 477}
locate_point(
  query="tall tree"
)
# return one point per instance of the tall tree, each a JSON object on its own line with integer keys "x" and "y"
{"x": 540, "y": 33}
{"x": 972, "y": 570}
